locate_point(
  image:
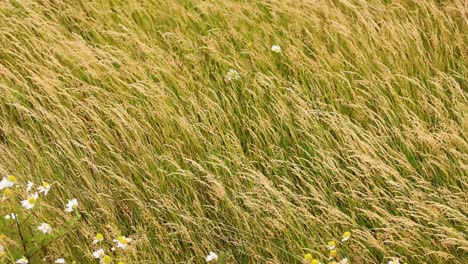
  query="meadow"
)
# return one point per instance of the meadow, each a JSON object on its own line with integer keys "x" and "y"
{"x": 259, "y": 130}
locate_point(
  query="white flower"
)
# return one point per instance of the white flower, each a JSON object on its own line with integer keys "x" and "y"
{"x": 232, "y": 75}
{"x": 10, "y": 216}
{"x": 60, "y": 260}
{"x": 331, "y": 245}
{"x": 7, "y": 182}
{"x": 346, "y": 236}
{"x": 106, "y": 259}
{"x": 30, "y": 202}
{"x": 122, "y": 241}
{"x": 344, "y": 261}
{"x": 29, "y": 186}
{"x": 276, "y": 48}
{"x": 44, "y": 188}
{"x": 98, "y": 238}
{"x": 45, "y": 228}
{"x": 113, "y": 248}
{"x": 71, "y": 205}
{"x": 22, "y": 260}
{"x": 212, "y": 256}
{"x": 99, "y": 253}
{"x": 394, "y": 261}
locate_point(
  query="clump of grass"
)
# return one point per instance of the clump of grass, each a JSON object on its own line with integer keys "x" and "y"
{"x": 358, "y": 123}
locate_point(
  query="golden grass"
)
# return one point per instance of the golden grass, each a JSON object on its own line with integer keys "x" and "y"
{"x": 359, "y": 124}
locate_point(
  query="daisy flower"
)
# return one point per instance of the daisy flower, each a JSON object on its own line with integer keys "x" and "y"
{"x": 332, "y": 253}
{"x": 45, "y": 228}
{"x": 232, "y": 75}
{"x": 98, "y": 253}
{"x": 344, "y": 261}
{"x": 331, "y": 245}
{"x": 7, "y": 182}
{"x": 106, "y": 259}
{"x": 98, "y": 238}
{"x": 394, "y": 261}
{"x": 276, "y": 48}
{"x": 315, "y": 261}
{"x": 346, "y": 236}
{"x": 44, "y": 188}
{"x": 122, "y": 241}
{"x": 30, "y": 202}
{"x": 211, "y": 257}
{"x": 22, "y": 260}
{"x": 71, "y": 205}
{"x": 308, "y": 256}
{"x": 29, "y": 186}
{"x": 60, "y": 260}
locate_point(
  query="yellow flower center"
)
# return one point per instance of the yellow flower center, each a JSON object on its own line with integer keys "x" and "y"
{"x": 106, "y": 259}
{"x": 32, "y": 200}
{"x": 347, "y": 234}
{"x": 7, "y": 193}
{"x": 45, "y": 185}
{"x": 12, "y": 178}
{"x": 331, "y": 243}
{"x": 308, "y": 256}
{"x": 122, "y": 240}
{"x": 332, "y": 253}
{"x": 99, "y": 237}
{"x": 314, "y": 261}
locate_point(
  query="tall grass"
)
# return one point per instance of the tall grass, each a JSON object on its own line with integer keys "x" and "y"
{"x": 359, "y": 124}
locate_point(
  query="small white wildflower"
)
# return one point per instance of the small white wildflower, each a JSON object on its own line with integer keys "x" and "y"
{"x": 22, "y": 260}
{"x": 113, "y": 248}
{"x": 60, "y": 260}
{"x": 29, "y": 186}
{"x": 106, "y": 259}
{"x": 346, "y": 236}
{"x": 30, "y": 202}
{"x": 276, "y": 48}
{"x": 232, "y": 75}
{"x": 10, "y": 216}
{"x": 122, "y": 241}
{"x": 44, "y": 188}
{"x": 344, "y": 261}
{"x": 211, "y": 257}
{"x": 45, "y": 228}
{"x": 98, "y": 253}
{"x": 98, "y": 238}
{"x": 71, "y": 205}
{"x": 7, "y": 182}
{"x": 394, "y": 261}
{"x": 331, "y": 245}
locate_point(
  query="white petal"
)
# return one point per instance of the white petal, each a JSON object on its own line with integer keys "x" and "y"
{"x": 5, "y": 183}
{"x": 29, "y": 186}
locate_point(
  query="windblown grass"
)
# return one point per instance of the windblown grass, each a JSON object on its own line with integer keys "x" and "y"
{"x": 359, "y": 124}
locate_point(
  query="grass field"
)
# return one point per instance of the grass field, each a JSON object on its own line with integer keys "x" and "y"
{"x": 359, "y": 124}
